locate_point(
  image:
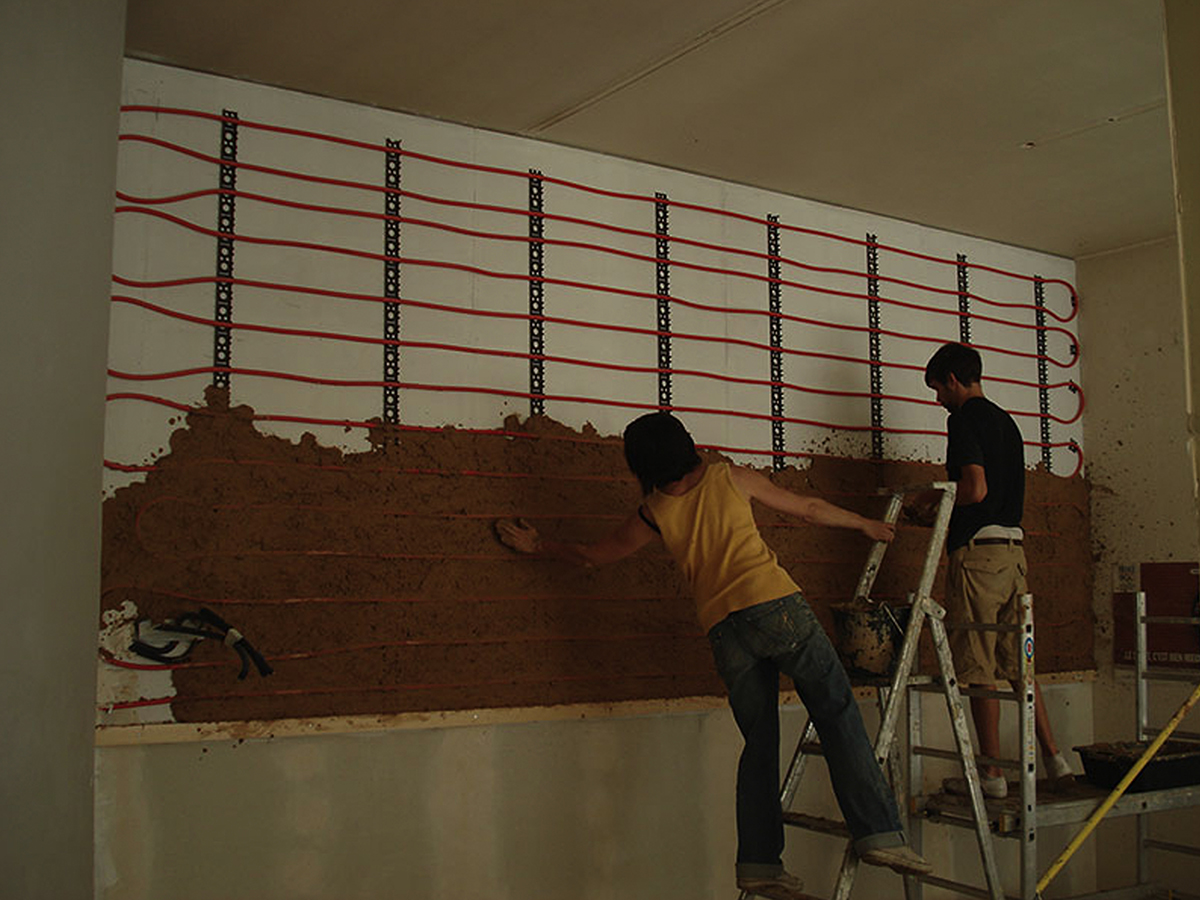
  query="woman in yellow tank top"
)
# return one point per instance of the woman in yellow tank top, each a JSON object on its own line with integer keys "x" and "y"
{"x": 758, "y": 625}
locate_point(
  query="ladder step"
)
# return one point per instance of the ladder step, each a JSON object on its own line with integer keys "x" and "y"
{"x": 1002, "y": 824}
{"x": 864, "y": 680}
{"x": 960, "y": 887}
{"x": 952, "y": 756}
{"x": 983, "y": 626}
{"x": 1177, "y": 735}
{"x": 1170, "y": 675}
{"x": 987, "y": 693}
{"x": 1171, "y": 620}
{"x": 800, "y": 896}
{"x": 817, "y": 823}
{"x": 1003, "y": 816}
{"x": 942, "y": 818}
{"x": 1171, "y": 847}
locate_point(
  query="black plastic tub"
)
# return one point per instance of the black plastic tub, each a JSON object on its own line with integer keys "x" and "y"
{"x": 1177, "y": 763}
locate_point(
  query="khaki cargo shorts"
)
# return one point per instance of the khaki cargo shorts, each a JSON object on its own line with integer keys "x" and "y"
{"x": 984, "y": 585}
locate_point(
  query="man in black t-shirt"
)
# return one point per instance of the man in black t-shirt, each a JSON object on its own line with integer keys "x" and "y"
{"x": 985, "y": 578}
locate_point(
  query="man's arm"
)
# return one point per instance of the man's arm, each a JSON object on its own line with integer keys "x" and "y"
{"x": 972, "y": 485}
{"x": 811, "y": 509}
{"x": 625, "y": 540}
{"x": 964, "y": 451}
{"x": 970, "y": 488}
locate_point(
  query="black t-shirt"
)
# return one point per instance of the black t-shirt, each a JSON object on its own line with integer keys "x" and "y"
{"x": 983, "y": 434}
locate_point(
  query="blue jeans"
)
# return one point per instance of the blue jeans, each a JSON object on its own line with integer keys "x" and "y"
{"x": 751, "y": 647}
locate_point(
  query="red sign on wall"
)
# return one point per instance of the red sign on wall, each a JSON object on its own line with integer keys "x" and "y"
{"x": 1172, "y": 589}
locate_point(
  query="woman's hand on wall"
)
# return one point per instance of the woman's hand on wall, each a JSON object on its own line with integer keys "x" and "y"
{"x": 519, "y": 535}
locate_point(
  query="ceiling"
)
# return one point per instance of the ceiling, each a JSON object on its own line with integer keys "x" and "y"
{"x": 1040, "y": 123}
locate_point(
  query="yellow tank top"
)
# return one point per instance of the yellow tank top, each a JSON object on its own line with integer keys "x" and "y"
{"x": 711, "y": 533}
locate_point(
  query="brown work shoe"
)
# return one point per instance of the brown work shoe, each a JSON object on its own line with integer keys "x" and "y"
{"x": 900, "y": 859}
{"x": 783, "y": 886}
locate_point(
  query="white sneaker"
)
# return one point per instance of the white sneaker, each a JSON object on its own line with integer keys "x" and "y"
{"x": 993, "y": 788}
{"x": 1058, "y": 771}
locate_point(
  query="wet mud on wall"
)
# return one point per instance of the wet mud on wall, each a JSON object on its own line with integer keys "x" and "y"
{"x": 373, "y": 582}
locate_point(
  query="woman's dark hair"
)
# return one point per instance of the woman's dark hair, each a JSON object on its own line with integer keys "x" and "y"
{"x": 959, "y": 359}
{"x": 659, "y": 450}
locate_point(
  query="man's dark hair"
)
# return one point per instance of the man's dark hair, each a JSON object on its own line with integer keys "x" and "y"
{"x": 659, "y": 450}
{"x": 958, "y": 359}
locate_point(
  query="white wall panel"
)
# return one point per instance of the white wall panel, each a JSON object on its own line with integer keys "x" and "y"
{"x": 464, "y": 280}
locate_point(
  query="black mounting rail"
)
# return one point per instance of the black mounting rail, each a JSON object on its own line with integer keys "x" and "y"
{"x": 774, "y": 303}
{"x": 873, "y": 324}
{"x": 662, "y": 252}
{"x": 537, "y": 296}
{"x": 964, "y": 300}
{"x": 1039, "y": 302}
{"x": 226, "y": 207}
{"x": 391, "y": 285}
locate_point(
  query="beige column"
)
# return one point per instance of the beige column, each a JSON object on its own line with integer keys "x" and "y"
{"x": 60, "y": 67}
{"x": 1182, "y": 34}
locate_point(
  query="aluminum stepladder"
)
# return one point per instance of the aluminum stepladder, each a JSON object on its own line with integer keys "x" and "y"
{"x": 924, "y": 611}
{"x": 1015, "y": 817}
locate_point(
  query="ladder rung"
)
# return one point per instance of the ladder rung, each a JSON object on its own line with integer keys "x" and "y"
{"x": 812, "y": 748}
{"x": 988, "y": 693}
{"x": 935, "y": 752}
{"x": 1171, "y": 675}
{"x": 799, "y": 896}
{"x": 969, "y": 889}
{"x": 938, "y": 753}
{"x": 1002, "y": 824}
{"x": 941, "y": 818}
{"x": 983, "y": 626}
{"x": 816, "y": 823}
{"x": 1170, "y": 847}
{"x": 967, "y": 691}
{"x": 1177, "y": 735}
{"x": 960, "y": 806}
{"x": 934, "y": 687}
{"x": 870, "y": 681}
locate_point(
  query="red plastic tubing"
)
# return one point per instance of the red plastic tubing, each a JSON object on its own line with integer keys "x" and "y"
{"x": 483, "y": 351}
{"x": 513, "y": 173}
{"x": 600, "y": 248}
{"x": 524, "y": 213}
{"x": 602, "y": 288}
